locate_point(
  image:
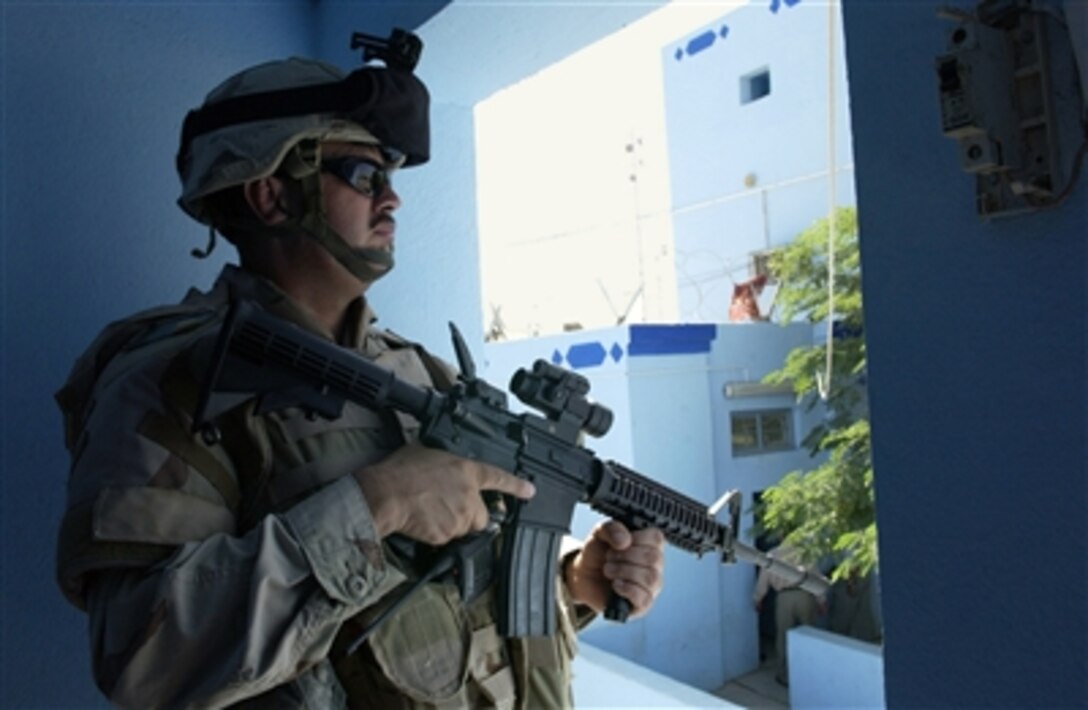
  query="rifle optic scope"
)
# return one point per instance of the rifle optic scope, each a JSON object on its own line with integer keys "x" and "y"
{"x": 561, "y": 394}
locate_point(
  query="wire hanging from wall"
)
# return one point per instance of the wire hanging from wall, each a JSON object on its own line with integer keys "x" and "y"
{"x": 823, "y": 383}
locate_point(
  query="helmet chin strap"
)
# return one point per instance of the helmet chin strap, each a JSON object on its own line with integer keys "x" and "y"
{"x": 366, "y": 264}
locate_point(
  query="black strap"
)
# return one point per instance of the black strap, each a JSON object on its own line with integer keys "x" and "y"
{"x": 392, "y": 104}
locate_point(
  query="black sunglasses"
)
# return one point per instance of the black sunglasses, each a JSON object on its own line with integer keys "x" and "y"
{"x": 364, "y": 175}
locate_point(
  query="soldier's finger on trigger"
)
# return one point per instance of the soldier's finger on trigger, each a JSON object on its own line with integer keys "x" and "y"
{"x": 492, "y": 478}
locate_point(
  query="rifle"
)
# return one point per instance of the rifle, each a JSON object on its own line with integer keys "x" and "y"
{"x": 256, "y": 353}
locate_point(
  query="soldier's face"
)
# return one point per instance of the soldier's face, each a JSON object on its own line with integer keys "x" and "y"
{"x": 365, "y": 221}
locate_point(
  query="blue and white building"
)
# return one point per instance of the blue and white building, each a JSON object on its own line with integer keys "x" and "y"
{"x": 757, "y": 124}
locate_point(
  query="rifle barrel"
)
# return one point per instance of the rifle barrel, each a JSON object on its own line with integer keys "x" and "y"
{"x": 812, "y": 582}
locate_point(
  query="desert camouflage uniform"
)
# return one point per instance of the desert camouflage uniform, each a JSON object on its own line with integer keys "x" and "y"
{"x": 230, "y": 573}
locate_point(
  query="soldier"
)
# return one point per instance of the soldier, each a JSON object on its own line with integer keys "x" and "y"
{"x": 238, "y": 570}
{"x": 794, "y": 606}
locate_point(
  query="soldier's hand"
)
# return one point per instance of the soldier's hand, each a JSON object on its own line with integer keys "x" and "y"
{"x": 615, "y": 559}
{"x": 433, "y": 496}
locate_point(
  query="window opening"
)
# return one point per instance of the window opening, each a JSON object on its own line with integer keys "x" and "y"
{"x": 761, "y": 432}
{"x": 755, "y": 86}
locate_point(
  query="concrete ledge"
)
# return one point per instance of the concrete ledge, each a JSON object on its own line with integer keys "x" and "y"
{"x": 832, "y": 671}
{"x": 603, "y": 680}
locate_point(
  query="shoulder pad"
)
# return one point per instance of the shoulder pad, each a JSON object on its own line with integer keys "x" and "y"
{"x": 141, "y": 335}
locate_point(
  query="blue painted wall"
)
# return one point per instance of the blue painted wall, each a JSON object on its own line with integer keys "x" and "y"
{"x": 781, "y": 140}
{"x": 93, "y": 101}
{"x": 976, "y": 343}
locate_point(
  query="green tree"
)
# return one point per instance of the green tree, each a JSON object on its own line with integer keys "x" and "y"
{"x": 828, "y": 511}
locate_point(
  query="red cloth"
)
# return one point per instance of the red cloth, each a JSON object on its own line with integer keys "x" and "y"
{"x": 744, "y": 307}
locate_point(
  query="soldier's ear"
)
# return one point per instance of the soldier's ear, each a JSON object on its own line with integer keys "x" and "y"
{"x": 265, "y": 198}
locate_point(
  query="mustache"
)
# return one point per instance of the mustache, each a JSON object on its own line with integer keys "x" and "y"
{"x": 382, "y": 219}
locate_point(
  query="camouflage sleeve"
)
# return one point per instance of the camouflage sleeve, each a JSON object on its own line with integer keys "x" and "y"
{"x": 228, "y": 618}
{"x": 184, "y": 611}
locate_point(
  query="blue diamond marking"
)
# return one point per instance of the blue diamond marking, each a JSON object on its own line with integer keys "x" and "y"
{"x": 724, "y": 32}
{"x": 557, "y": 358}
{"x": 586, "y": 355}
{"x": 616, "y": 352}
{"x": 698, "y": 44}
{"x": 679, "y": 54}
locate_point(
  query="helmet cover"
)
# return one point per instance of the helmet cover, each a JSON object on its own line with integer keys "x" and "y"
{"x": 249, "y": 123}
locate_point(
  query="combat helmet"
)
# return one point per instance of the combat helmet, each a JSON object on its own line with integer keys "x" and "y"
{"x": 272, "y": 118}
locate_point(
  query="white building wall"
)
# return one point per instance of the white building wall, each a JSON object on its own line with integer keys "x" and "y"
{"x": 749, "y": 176}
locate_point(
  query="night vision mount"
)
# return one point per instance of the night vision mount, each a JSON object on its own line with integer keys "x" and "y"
{"x": 400, "y": 51}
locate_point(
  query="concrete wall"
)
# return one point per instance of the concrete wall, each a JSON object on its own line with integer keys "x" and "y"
{"x": 976, "y": 343}
{"x": 604, "y": 680}
{"x": 832, "y": 671}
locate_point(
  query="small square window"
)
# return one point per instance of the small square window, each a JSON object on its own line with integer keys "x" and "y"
{"x": 762, "y": 431}
{"x": 755, "y": 86}
{"x": 776, "y": 429}
{"x": 745, "y": 433}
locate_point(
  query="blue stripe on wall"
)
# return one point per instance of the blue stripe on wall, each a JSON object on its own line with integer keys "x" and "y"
{"x": 670, "y": 339}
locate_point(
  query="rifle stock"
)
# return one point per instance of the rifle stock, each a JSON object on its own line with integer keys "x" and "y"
{"x": 259, "y": 354}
